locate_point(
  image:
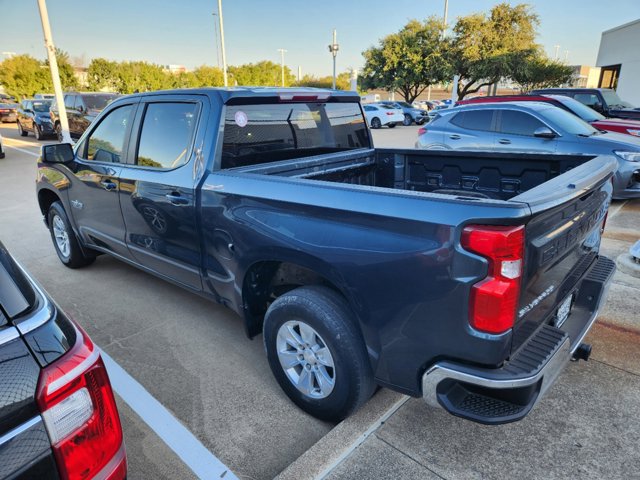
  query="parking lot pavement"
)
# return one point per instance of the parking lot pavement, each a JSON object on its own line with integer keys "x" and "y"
{"x": 190, "y": 354}
{"x": 398, "y": 137}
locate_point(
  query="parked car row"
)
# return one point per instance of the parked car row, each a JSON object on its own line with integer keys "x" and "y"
{"x": 41, "y": 115}
{"x": 390, "y": 114}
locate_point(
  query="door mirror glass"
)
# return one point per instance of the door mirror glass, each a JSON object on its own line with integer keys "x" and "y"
{"x": 57, "y": 153}
{"x": 544, "y": 132}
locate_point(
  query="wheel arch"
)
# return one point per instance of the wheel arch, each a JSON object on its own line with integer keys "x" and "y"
{"x": 266, "y": 280}
{"x": 46, "y": 198}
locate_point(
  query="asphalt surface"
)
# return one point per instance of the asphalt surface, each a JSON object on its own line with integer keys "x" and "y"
{"x": 192, "y": 356}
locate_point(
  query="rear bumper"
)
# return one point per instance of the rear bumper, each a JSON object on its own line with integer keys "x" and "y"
{"x": 507, "y": 394}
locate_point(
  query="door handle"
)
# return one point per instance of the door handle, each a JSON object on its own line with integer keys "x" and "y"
{"x": 504, "y": 141}
{"x": 176, "y": 199}
{"x": 455, "y": 136}
{"x": 108, "y": 185}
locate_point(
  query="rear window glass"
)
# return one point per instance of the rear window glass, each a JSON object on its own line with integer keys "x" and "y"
{"x": 255, "y": 134}
{"x": 475, "y": 120}
{"x": 98, "y": 102}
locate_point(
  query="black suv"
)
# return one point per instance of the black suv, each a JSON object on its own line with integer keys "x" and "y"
{"x": 33, "y": 116}
{"x": 82, "y": 109}
{"x": 603, "y": 100}
{"x": 58, "y": 416}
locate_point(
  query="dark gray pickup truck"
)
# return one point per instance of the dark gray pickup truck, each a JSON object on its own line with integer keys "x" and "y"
{"x": 467, "y": 278}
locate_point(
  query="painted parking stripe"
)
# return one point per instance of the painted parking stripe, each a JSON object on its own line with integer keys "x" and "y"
{"x": 185, "y": 445}
{"x": 21, "y": 150}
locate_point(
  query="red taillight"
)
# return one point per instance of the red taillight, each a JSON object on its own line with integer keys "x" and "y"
{"x": 422, "y": 130}
{"x": 494, "y": 300}
{"x": 390, "y": 113}
{"x": 80, "y": 414}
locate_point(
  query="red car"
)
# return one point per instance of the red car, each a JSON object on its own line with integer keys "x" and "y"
{"x": 618, "y": 125}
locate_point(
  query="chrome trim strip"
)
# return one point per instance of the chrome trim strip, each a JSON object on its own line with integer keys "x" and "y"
{"x": 8, "y": 334}
{"x": 20, "y": 429}
{"x": 39, "y": 317}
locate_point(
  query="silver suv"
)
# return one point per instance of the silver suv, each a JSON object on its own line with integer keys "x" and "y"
{"x": 533, "y": 127}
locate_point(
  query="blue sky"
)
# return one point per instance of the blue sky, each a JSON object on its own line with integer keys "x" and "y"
{"x": 182, "y": 32}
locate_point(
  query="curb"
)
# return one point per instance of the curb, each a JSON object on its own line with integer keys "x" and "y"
{"x": 344, "y": 438}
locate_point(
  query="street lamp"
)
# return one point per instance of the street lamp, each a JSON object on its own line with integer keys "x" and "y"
{"x": 282, "y": 52}
{"x": 224, "y": 55}
{"x": 333, "y": 48}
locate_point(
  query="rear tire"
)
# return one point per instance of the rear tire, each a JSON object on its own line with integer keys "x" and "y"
{"x": 64, "y": 239}
{"x": 376, "y": 123}
{"x": 408, "y": 120}
{"x": 317, "y": 353}
{"x": 22, "y": 131}
{"x": 392, "y": 125}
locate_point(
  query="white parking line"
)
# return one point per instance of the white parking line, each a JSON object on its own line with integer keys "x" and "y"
{"x": 22, "y": 150}
{"x": 178, "y": 438}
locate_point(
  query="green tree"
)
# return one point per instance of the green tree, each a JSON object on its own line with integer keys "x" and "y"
{"x": 205, "y": 76}
{"x": 265, "y": 73}
{"x": 23, "y": 76}
{"x": 102, "y": 74}
{"x": 141, "y": 77}
{"x": 407, "y": 62}
{"x": 486, "y": 48}
{"x": 343, "y": 81}
{"x": 535, "y": 70}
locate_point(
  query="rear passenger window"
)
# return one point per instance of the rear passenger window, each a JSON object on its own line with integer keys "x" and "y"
{"x": 519, "y": 123}
{"x": 167, "y": 130}
{"x": 69, "y": 101}
{"x": 106, "y": 142}
{"x": 476, "y": 120}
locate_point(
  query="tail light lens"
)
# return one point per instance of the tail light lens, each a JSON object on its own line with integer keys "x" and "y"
{"x": 422, "y": 130}
{"x": 389, "y": 113}
{"x": 80, "y": 415}
{"x": 494, "y": 300}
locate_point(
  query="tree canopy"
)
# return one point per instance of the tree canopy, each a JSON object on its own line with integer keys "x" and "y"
{"x": 534, "y": 70}
{"x": 487, "y": 48}
{"x": 265, "y": 73}
{"x": 23, "y": 76}
{"x": 408, "y": 61}
{"x": 343, "y": 81}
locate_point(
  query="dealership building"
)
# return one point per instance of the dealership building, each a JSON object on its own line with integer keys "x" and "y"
{"x": 619, "y": 61}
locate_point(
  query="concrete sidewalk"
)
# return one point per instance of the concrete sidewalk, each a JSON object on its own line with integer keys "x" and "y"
{"x": 587, "y": 426}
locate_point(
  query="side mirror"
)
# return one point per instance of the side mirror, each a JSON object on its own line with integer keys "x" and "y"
{"x": 544, "y": 132}
{"x": 57, "y": 153}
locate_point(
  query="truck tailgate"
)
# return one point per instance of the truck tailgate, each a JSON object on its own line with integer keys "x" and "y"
{"x": 562, "y": 243}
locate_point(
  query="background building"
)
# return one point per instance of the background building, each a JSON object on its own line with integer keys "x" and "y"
{"x": 619, "y": 61}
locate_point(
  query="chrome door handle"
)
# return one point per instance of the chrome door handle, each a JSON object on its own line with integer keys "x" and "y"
{"x": 454, "y": 137}
{"x": 176, "y": 199}
{"x": 504, "y": 141}
{"x": 108, "y": 185}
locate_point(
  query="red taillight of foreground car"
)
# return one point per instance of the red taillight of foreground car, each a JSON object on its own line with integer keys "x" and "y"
{"x": 80, "y": 414}
{"x": 390, "y": 113}
{"x": 422, "y": 130}
{"x": 494, "y": 300}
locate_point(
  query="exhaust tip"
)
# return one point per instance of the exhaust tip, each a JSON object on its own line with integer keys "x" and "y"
{"x": 583, "y": 352}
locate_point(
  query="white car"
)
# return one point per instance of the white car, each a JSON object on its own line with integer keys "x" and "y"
{"x": 380, "y": 115}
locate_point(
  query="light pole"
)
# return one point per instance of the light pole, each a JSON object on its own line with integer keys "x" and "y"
{"x": 53, "y": 66}
{"x": 446, "y": 13}
{"x": 333, "y": 48}
{"x": 215, "y": 29}
{"x": 224, "y": 55}
{"x": 566, "y": 56}
{"x": 557, "y": 47}
{"x": 282, "y": 52}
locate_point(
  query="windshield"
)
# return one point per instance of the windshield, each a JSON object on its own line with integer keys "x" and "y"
{"x": 98, "y": 102}
{"x": 568, "y": 122}
{"x": 263, "y": 133}
{"x": 587, "y": 114}
{"x": 613, "y": 100}
{"x": 41, "y": 107}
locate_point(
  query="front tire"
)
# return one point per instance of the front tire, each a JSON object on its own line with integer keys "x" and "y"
{"x": 36, "y": 132}
{"x": 317, "y": 353}
{"x": 64, "y": 239}
{"x": 408, "y": 120}
{"x": 22, "y": 131}
{"x": 59, "y": 132}
{"x": 392, "y": 125}
{"x": 376, "y": 123}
